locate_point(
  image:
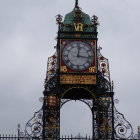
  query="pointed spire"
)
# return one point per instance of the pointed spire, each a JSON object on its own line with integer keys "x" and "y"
{"x": 76, "y": 4}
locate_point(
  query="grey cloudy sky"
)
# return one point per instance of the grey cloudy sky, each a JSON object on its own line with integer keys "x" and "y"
{"x": 27, "y": 38}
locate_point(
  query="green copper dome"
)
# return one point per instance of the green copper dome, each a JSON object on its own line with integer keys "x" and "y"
{"x": 71, "y": 17}
{"x": 77, "y": 20}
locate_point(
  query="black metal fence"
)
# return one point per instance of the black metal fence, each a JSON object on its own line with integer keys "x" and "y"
{"x": 15, "y": 137}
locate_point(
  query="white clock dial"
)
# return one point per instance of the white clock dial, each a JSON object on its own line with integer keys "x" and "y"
{"x": 78, "y": 55}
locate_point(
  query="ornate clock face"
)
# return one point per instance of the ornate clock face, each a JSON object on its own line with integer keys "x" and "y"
{"x": 78, "y": 56}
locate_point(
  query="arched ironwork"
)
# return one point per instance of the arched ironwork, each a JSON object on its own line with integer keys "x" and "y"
{"x": 89, "y": 103}
{"x": 65, "y": 90}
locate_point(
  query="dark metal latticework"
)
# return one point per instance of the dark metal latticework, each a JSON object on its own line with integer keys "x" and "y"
{"x": 107, "y": 122}
{"x": 123, "y": 129}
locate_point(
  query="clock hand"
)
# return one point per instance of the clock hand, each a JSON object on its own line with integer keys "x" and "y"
{"x": 72, "y": 58}
{"x": 83, "y": 56}
{"x": 74, "y": 54}
{"x": 78, "y": 51}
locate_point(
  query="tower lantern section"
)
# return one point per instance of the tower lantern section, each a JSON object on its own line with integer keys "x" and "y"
{"x": 77, "y": 48}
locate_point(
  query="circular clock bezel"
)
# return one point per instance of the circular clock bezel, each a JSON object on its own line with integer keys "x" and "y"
{"x": 78, "y": 44}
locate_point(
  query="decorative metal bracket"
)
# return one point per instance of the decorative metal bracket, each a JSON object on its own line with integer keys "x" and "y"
{"x": 34, "y": 126}
{"x": 123, "y": 129}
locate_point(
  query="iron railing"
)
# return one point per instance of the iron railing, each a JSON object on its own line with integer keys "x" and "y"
{"x": 15, "y": 137}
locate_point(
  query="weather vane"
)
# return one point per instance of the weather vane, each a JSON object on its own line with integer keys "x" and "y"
{"x": 76, "y": 4}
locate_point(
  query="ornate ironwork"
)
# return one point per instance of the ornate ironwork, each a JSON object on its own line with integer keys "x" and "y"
{"x": 51, "y": 67}
{"x": 63, "y": 101}
{"x": 87, "y": 102}
{"x": 103, "y": 83}
{"x": 51, "y": 76}
{"x": 104, "y": 128}
{"x": 59, "y": 19}
{"x": 34, "y": 126}
{"x": 123, "y": 129}
{"x": 15, "y": 137}
{"x": 103, "y": 65}
{"x": 108, "y": 123}
{"x": 94, "y": 20}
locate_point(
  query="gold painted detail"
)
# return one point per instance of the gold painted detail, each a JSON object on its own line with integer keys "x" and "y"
{"x": 106, "y": 127}
{"x": 52, "y": 101}
{"x": 63, "y": 69}
{"x": 78, "y": 35}
{"x": 78, "y": 79}
{"x": 92, "y": 69}
{"x": 78, "y": 26}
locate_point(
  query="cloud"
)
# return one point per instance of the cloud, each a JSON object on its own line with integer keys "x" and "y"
{"x": 27, "y": 33}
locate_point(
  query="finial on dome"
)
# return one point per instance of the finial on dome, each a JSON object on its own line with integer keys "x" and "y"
{"x": 76, "y": 4}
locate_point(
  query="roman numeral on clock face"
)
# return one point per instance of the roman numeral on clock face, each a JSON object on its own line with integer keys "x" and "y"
{"x": 78, "y": 55}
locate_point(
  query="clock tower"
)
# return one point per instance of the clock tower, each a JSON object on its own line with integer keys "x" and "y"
{"x": 78, "y": 71}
